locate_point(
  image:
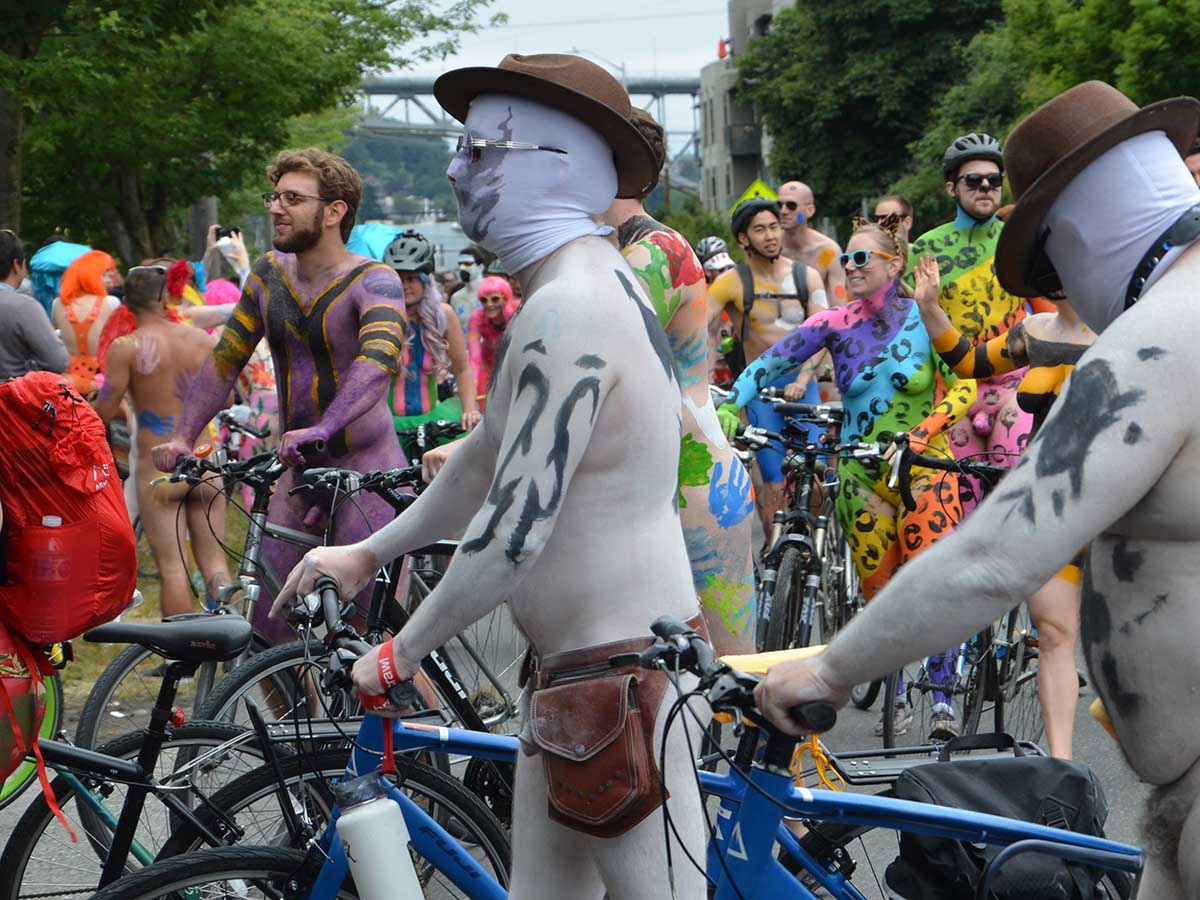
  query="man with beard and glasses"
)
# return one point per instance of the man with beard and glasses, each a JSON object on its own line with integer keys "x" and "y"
{"x": 805, "y": 244}
{"x": 567, "y": 493}
{"x": 335, "y": 324}
{"x": 784, "y": 294}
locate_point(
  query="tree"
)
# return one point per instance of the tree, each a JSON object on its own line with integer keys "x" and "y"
{"x": 1041, "y": 48}
{"x": 138, "y": 116}
{"x": 695, "y": 223}
{"x": 844, "y": 88}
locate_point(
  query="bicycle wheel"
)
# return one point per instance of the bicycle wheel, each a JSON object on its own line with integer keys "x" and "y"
{"x": 26, "y": 773}
{"x": 252, "y": 801}
{"x": 486, "y": 655}
{"x": 907, "y": 714}
{"x": 1018, "y": 706}
{"x": 784, "y": 624}
{"x": 124, "y": 695}
{"x": 40, "y": 860}
{"x": 242, "y": 872}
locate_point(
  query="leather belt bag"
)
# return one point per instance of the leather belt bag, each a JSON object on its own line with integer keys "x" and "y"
{"x": 594, "y": 726}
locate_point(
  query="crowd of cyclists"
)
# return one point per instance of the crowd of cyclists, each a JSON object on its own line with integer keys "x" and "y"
{"x": 914, "y": 333}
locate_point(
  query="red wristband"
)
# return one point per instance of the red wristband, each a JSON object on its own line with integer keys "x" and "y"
{"x": 386, "y": 663}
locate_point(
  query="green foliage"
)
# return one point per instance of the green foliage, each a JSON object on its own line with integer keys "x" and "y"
{"x": 844, "y": 88}
{"x": 694, "y": 222}
{"x": 1143, "y": 47}
{"x": 138, "y": 108}
{"x": 403, "y": 166}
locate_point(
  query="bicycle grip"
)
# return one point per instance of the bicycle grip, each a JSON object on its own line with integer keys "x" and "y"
{"x": 814, "y": 718}
{"x": 316, "y": 447}
{"x": 905, "y": 477}
{"x": 667, "y": 627}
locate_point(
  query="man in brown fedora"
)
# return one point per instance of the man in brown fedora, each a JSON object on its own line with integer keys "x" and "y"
{"x": 1108, "y": 213}
{"x": 566, "y": 494}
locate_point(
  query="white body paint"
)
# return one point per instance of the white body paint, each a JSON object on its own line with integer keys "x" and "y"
{"x": 566, "y": 493}
{"x": 1138, "y": 505}
{"x": 706, "y": 418}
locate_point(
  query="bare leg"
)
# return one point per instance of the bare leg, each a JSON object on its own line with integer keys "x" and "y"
{"x": 205, "y": 512}
{"x": 1171, "y": 839}
{"x": 1055, "y": 613}
{"x": 165, "y": 530}
{"x": 769, "y": 498}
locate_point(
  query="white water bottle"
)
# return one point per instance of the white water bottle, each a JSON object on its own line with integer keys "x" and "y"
{"x": 374, "y": 838}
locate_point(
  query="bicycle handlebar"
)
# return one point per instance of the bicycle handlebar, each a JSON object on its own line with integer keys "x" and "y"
{"x": 677, "y": 646}
{"x": 902, "y": 464}
{"x": 237, "y": 418}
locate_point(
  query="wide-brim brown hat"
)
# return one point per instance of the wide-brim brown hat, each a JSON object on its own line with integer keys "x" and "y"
{"x": 569, "y": 83}
{"x": 1056, "y": 142}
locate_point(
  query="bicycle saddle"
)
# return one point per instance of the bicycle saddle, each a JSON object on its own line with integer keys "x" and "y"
{"x": 194, "y": 637}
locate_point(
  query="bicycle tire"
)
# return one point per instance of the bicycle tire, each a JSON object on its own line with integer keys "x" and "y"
{"x": 979, "y": 680}
{"x": 84, "y": 864}
{"x": 129, "y": 680}
{"x": 785, "y": 612}
{"x": 918, "y": 696}
{"x": 1018, "y": 705}
{"x": 863, "y": 696}
{"x": 464, "y": 815}
{"x": 26, "y": 773}
{"x": 278, "y": 868}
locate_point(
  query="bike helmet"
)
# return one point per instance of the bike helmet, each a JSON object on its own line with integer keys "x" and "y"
{"x": 410, "y": 252}
{"x": 710, "y": 247}
{"x": 747, "y": 210}
{"x": 975, "y": 145}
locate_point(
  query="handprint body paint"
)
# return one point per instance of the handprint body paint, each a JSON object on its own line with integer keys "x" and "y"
{"x": 716, "y": 497}
{"x": 891, "y": 380}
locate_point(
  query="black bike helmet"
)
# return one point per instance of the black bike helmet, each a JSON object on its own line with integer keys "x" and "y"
{"x": 976, "y": 145}
{"x": 710, "y": 247}
{"x": 410, "y": 252}
{"x": 747, "y": 210}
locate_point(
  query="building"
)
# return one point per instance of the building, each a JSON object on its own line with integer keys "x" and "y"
{"x": 733, "y": 148}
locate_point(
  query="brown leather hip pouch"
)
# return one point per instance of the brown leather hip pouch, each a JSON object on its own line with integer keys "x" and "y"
{"x": 595, "y": 732}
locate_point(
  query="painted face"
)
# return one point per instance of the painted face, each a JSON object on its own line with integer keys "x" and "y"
{"x": 522, "y": 204}
{"x": 297, "y": 228}
{"x": 795, "y": 205}
{"x": 979, "y": 203}
{"x": 414, "y": 288}
{"x": 878, "y": 271}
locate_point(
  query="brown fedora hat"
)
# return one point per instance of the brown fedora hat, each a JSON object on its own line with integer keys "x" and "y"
{"x": 1056, "y": 142}
{"x": 568, "y": 83}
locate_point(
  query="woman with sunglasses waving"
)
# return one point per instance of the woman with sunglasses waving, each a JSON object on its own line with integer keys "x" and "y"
{"x": 891, "y": 380}
{"x": 485, "y": 329}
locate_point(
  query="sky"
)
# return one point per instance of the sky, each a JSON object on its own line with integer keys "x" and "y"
{"x": 677, "y": 38}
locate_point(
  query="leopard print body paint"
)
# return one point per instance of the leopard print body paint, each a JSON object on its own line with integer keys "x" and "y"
{"x": 890, "y": 380}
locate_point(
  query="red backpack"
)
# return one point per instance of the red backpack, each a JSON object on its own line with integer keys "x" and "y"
{"x": 71, "y": 554}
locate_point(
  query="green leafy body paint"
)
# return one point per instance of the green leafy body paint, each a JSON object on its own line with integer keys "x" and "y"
{"x": 695, "y": 465}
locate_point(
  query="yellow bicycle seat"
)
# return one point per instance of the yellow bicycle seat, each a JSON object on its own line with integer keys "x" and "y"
{"x": 759, "y": 663}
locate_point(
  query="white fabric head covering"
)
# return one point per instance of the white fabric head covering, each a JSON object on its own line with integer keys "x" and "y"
{"x": 1105, "y": 220}
{"x": 522, "y": 205}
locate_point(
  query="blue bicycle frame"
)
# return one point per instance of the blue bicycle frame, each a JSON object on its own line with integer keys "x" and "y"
{"x": 741, "y": 856}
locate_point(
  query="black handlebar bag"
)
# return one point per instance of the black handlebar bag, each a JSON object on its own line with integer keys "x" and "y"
{"x": 1039, "y": 789}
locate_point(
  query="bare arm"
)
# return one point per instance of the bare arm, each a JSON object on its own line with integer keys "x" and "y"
{"x": 461, "y": 365}
{"x": 116, "y": 378}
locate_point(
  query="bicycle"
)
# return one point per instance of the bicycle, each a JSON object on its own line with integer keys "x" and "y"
{"x": 1002, "y": 659}
{"x": 26, "y": 773}
{"x": 37, "y": 856}
{"x": 748, "y": 843}
{"x": 124, "y": 692}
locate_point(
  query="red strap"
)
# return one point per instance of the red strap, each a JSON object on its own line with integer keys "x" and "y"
{"x": 389, "y": 748}
{"x": 39, "y": 688}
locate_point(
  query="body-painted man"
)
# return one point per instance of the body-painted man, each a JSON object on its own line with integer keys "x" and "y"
{"x": 155, "y": 364}
{"x": 805, "y": 244}
{"x": 335, "y": 325}
{"x": 775, "y": 311}
{"x": 715, "y": 497}
{"x": 1107, "y": 212}
{"x": 965, "y": 250}
{"x": 891, "y": 381}
{"x": 567, "y": 492}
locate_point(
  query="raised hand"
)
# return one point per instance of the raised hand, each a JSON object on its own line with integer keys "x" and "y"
{"x": 928, "y": 281}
